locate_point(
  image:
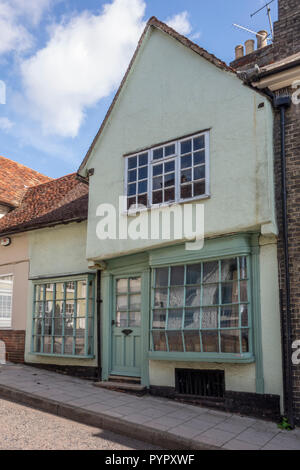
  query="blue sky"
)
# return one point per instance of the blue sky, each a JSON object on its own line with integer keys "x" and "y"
{"x": 62, "y": 60}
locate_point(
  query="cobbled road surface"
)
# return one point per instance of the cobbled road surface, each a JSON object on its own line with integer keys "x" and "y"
{"x": 23, "y": 428}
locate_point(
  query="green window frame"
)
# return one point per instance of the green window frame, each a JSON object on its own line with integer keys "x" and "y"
{"x": 63, "y": 317}
{"x": 202, "y": 309}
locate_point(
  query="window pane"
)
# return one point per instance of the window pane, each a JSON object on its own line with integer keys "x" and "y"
{"x": 161, "y": 298}
{"x": 132, "y": 162}
{"x": 47, "y": 344}
{"x": 157, "y": 197}
{"x": 186, "y": 191}
{"x": 186, "y": 146}
{"x": 159, "y": 319}
{"x": 58, "y": 322}
{"x": 244, "y": 315}
{"x": 69, "y": 326}
{"x": 245, "y": 341}
{"x": 143, "y": 159}
{"x": 170, "y": 179}
{"x": 243, "y": 267}
{"x": 230, "y": 341}
{"x": 131, "y": 189}
{"x": 122, "y": 285}
{"x": 229, "y": 292}
{"x": 229, "y": 316}
{"x": 199, "y": 188}
{"x": 132, "y": 176}
{"x": 192, "y": 341}
{"x": 177, "y": 275}
{"x": 210, "y": 341}
{"x": 211, "y": 271}
{"x": 243, "y": 291}
{"x": 192, "y": 296}
{"x": 157, "y": 182}
{"x": 210, "y": 317}
{"x": 169, "y": 166}
{"x": 158, "y": 153}
{"x": 121, "y": 319}
{"x": 199, "y": 157}
{"x": 157, "y": 170}
{"x": 186, "y": 176}
{"x": 199, "y": 172}
{"x": 210, "y": 294}
{"x": 199, "y": 142}
{"x": 159, "y": 341}
{"x": 193, "y": 274}
{"x": 68, "y": 346}
{"x": 229, "y": 269}
{"x": 135, "y": 284}
{"x": 134, "y": 319}
{"x": 81, "y": 308}
{"x": 169, "y": 194}
{"x": 162, "y": 277}
{"x": 176, "y": 296}
{"x": 142, "y": 187}
{"x": 122, "y": 302}
{"x": 39, "y": 293}
{"x": 143, "y": 173}
{"x": 175, "y": 319}
{"x": 135, "y": 303}
{"x": 186, "y": 161}
{"x": 131, "y": 203}
{"x": 80, "y": 327}
{"x": 57, "y": 345}
{"x": 175, "y": 340}
{"x": 60, "y": 291}
{"x": 79, "y": 346}
{"x": 169, "y": 150}
{"x": 143, "y": 200}
{"x": 47, "y": 326}
{"x": 192, "y": 318}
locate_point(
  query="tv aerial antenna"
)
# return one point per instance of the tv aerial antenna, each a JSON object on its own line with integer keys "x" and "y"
{"x": 253, "y": 14}
{"x": 267, "y": 6}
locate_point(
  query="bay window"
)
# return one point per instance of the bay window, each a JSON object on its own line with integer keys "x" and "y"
{"x": 202, "y": 308}
{"x": 63, "y": 317}
{"x": 172, "y": 172}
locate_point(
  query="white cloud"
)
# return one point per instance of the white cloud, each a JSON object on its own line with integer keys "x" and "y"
{"x": 180, "y": 23}
{"x": 14, "y": 36}
{"x": 83, "y": 62}
{"x": 5, "y": 124}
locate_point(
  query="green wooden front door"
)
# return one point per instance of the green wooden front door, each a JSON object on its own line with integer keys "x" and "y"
{"x": 126, "y": 327}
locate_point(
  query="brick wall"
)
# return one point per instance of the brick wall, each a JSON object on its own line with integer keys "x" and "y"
{"x": 286, "y": 43}
{"x": 14, "y": 341}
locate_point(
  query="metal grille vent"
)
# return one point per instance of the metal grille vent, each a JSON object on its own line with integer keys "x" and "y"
{"x": 201, "y": 383}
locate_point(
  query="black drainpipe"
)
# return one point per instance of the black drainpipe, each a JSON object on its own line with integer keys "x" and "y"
{"x": 282, "y": 103}
{"x": 99, "y": 300}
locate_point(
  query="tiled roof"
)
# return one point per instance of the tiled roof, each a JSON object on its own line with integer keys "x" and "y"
{"x": 15, "y": 179}
{"x": 154, "y": 22}
{"x": 59, "y": 201}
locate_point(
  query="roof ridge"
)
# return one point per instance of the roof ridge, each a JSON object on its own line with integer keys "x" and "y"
{"x": 153, "y": 21}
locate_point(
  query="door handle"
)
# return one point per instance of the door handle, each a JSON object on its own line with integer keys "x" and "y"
{"x": 126, "y": 332}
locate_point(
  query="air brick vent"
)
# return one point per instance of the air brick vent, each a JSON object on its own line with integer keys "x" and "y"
{"x": 200, "y": 383}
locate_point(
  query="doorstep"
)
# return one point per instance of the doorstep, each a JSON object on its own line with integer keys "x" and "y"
{"x": 159, "y": 421}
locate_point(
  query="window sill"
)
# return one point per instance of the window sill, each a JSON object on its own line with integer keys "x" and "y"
{"x": 135, "y": 212}
{"x": 201, "y": 357}
{"x": 67, "y": 356}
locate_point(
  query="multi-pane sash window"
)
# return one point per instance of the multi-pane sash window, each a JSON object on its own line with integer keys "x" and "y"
{"x": 6, "y": 290}
{"x": 202, "y": 308}
{"x": 174, "y": 172}
{"x": 63, "y": 317}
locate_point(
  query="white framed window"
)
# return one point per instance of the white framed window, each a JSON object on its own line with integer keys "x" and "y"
{"x": 174, "y": 172}
{"x": 6, "y": 293}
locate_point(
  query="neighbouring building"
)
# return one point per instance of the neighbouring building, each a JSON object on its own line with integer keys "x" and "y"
{"x": 278, "y": 75}
{"x": 184, "y": 131}
{"x": 61, "y": 321}
{"x": 15, "y": 179}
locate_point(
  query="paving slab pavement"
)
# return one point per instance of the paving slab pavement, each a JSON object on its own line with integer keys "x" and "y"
{"x": 158, "y": 421}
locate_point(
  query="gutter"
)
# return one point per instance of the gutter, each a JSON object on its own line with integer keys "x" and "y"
{"x": 273, "y": 71}
{"x": 281, "y": 103}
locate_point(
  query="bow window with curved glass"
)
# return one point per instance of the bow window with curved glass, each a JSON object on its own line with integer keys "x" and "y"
{"x": 202, "y": 308}
{"x": 63, "y": 317}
